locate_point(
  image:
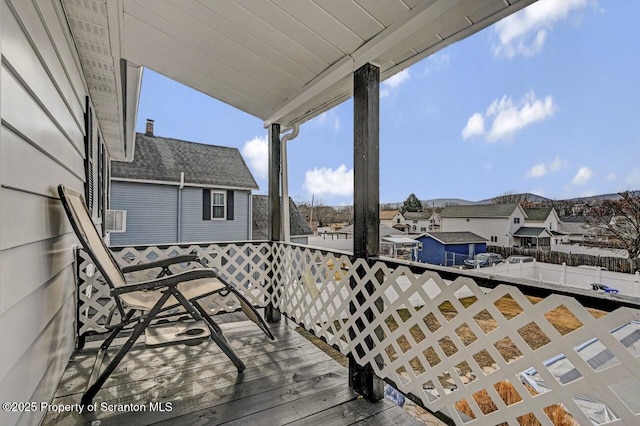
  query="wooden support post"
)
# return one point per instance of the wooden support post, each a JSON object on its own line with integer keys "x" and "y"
{"x": 271, "y": 313}
{"x": 366, "y": 200}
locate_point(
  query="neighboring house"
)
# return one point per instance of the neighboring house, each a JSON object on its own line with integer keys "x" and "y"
{"x": 434, "y": 222}
{"x": 177, "y": 191}
{"x": 53, "y": 133}
{"x": 496, "y": 222}
{"x": 385, "y": 231}
{"x": 576, "y": 230}
{"x": 533, "y": 237}
{"x": 449, "y": 248}
{"x": 543, "y": 217}
{"x": 417, "y": 221}
{"x": 299, "y": 228}
{"x": 391, "y": 218}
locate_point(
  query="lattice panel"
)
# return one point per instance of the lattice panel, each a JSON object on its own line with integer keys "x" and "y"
{"x": 245, "y": 266}
{"x": 498, "y": 358}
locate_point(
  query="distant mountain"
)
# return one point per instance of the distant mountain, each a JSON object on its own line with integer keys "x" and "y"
{"x": 613, "y": 196}
{"x": 531, "y": 197}
{"x": 442, "y": 202}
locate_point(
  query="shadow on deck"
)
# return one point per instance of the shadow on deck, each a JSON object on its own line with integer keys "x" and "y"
{"x": 287, "y": 381}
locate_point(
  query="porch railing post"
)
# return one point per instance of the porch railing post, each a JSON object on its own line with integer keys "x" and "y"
{"x": 271, "y": 313}
{"x": 366, "y": 200}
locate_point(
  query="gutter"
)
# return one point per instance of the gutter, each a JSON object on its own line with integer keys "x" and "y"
{"x": 286, "y": 224}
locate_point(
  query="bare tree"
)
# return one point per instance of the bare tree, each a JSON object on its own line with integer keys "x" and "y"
{"x": 513, "y": 198}
{"x": 619, "y": 220}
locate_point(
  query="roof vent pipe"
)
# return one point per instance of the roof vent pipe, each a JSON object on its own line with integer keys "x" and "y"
{"x": 286, "y": 224}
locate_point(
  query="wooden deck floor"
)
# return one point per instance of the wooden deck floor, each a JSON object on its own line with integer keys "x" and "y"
{"x": 287, "y": 381}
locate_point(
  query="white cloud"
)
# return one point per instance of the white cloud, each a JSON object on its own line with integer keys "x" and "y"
{"x": 538, "y": 170}
{"x": 525, "y": 32}
{"x": 475, "y": 126}
{"x": 509, "y": 117}
{"x": 557, "y": 164}
{"x": 256, "y": 152}
{"x": 329, "y": 118}
{"x": 542, "y": 169}
{"x": 328, "y": 181}
{"x": 435, "y": 62}
{"x": 393, "y": 82}
{"x": 610, "y": 177}
{"x": 583, "y": 176}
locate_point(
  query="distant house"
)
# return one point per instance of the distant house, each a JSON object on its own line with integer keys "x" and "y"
{"x": 449, "y": 248}
{"x": 576, "y": 230}
{"x": 495, "y": 222}
{"x": 391, "y": 218}
{"x": 543, "y": 217}
{"x": 299, "y": 228}
{"x": 533, "y": 237}
{"x": 177, "y": 191}
{"x": 418, "y": 221}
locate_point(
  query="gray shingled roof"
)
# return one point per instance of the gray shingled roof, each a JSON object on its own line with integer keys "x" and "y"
{"x": 529, "y": 231}
{"x": 162, "y": 159}
{"x": 462, "y": 237}
{"x": 260, "y": 214}
{"x": 417, "y": 215}
{"x": 539, "y": 213}
{"x": 479, "y": 210}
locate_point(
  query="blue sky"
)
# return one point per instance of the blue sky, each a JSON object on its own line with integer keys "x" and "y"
{"x": 546, "y": 101}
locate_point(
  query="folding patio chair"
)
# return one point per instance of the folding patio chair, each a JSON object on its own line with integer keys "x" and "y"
{"x": 143, "y": 302}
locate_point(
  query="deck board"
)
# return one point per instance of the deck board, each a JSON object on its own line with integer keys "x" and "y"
{"x": 287, "y": 381}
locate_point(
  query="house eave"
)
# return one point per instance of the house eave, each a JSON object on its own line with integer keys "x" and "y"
{"x": 177, "y": 183}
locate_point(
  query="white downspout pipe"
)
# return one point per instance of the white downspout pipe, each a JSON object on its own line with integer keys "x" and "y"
{"x": 286, "y": 225}
{"x": 180, "y": 188}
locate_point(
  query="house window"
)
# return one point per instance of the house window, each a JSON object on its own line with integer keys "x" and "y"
{"x": 218, "y": 205}
{"x": 516, "y": 220}
{"x": 398, "y": 220}
{"x": 494, "y": 239}
{"x": 423, "y": 229}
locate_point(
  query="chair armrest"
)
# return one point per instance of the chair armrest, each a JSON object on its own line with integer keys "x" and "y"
{"x": 161, "y": 263}
{"x": 167, "y": 281}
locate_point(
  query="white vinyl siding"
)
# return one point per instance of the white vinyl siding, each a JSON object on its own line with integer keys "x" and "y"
{"x": 42, "y": 102}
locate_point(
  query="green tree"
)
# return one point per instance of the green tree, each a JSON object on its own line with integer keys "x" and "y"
{"x": 411, "y": 204}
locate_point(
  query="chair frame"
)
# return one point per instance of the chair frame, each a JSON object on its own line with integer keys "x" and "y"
{"x": 166, "y": 282}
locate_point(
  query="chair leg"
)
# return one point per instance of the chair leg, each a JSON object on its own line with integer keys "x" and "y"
{"x": 199, "y": 314}
{"x": 94, "y": 387}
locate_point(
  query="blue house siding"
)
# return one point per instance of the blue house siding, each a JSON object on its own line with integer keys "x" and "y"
{"x": 433, "y": 251}
{"x": 194, "y": 229}
{"x": 152, "y": 215}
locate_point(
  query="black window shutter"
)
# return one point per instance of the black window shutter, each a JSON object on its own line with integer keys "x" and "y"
{"x": 88, "y": 151}
{"x": 206, "y": 204}
{"x": 230, "y": 206}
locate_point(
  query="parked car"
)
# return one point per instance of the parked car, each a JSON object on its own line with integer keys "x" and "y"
{"x": 519, "y": 259}
{"x": 601, "y": 288}
{"x": 484, "y": 259}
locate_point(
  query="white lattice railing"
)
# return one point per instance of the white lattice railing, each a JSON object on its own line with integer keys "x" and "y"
{"x": 245, "y": 265}
{"x": 486, "y": 356}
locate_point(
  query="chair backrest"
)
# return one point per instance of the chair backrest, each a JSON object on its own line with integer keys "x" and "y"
{"x": 89, "y": 237}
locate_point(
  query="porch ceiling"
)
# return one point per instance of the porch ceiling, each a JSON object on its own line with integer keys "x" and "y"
{"x": 283, "y": 61}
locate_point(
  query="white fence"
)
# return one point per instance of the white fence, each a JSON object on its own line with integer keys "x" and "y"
{"x": 571, "y": 276}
